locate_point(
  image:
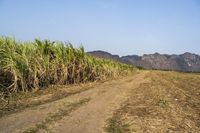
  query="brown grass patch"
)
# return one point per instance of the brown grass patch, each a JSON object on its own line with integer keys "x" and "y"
{"x": 169, "y": 103}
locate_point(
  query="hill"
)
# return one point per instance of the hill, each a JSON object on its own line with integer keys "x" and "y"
{"x": 186, "y": 62}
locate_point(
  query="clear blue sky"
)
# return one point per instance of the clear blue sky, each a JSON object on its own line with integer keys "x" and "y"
{"x": 117, "y": 26}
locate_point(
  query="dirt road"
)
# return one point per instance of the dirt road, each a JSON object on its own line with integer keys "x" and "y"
{"x": 84, "y": 112}
{"x": 146, "y": 102}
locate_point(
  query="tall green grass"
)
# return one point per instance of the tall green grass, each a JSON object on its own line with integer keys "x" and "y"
{"x": 26, "y": 66}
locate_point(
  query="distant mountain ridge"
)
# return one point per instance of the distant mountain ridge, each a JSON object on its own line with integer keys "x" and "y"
{"x": 184, "y": 62}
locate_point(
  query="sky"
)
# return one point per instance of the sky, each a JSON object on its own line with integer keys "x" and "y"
{"x": 123, "y": 27}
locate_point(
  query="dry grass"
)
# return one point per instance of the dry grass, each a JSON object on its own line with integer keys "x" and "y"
{"x": 20, "y": 101}
{"x": 169, "y": 103}
{"x": 61, "y": 113}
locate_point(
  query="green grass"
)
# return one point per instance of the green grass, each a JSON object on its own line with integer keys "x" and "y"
{"x": 114, "y": 125}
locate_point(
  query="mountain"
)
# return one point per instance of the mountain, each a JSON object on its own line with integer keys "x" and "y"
{"x": 184, "y": 62}
{"x": 106, "y": 55}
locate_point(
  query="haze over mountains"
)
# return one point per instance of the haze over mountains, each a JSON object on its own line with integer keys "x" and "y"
{"x": 186, "y": 62}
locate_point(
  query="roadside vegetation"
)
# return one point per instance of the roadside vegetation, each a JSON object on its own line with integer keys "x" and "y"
{"x": 32, "y": 66}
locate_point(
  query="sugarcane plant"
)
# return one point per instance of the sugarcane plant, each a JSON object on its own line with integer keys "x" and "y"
{"x": 25, "y": 66}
